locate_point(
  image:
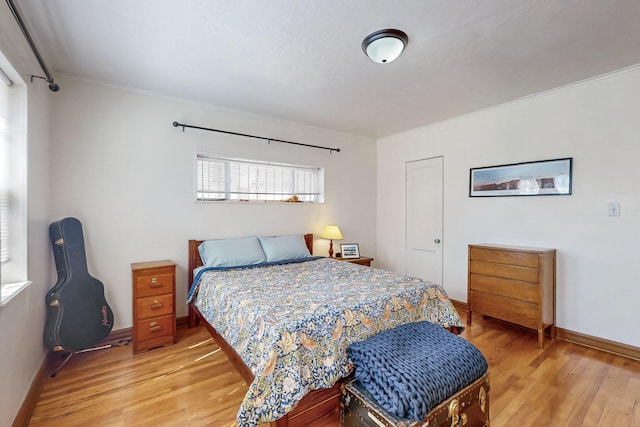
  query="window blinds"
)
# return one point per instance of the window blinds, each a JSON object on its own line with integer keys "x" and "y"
{"x": 226, "y": 179}
{"x": 5, "y": 173}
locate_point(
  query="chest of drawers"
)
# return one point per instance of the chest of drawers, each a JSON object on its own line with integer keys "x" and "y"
{"x": 514, "y": 284}
{"x": 154, "y": 302}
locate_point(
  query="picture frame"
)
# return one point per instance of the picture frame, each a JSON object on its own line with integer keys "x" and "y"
{"x": 350, "y": 250}
{"x": 537, "y": 178}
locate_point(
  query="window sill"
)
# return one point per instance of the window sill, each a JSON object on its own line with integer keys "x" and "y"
{"x": 10, "y": 290}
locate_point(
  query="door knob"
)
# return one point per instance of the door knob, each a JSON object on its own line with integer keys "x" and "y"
{"x": 436, "y": 241}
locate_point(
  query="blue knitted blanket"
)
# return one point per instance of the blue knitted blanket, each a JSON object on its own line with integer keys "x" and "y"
{"x": 412, "y": 368}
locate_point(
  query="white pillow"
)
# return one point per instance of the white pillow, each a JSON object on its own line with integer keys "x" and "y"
{"x": 284, "y": 248}
{"x": 231, "y": 252}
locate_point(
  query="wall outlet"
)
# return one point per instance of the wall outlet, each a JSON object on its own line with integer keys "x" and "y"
{"x": 614, "y": 209}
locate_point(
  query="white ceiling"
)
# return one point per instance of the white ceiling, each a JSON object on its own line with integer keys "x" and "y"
{"x": 302, "y": 60}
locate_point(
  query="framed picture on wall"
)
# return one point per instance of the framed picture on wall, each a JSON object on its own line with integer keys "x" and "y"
{"x": 350, "y": 250}
{"x": 539, "y": 178}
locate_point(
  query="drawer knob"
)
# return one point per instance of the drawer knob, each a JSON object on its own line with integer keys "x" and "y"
{"x": 154, "y": 327}
{"x": 156, "y": 305}
{"x": 155, "y": 283}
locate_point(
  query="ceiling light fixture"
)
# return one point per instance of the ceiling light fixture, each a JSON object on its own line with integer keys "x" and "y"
{"x": 385, "y": 45}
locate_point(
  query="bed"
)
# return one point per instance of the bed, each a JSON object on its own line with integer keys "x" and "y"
{"x": 285, "y": 325}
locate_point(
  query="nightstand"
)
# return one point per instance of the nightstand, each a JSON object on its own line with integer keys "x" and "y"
{"x": 154, "y": 304}
{"x": 363, "y": 260}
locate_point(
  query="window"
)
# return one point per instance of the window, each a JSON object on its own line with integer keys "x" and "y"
{"x": 13, "y": 184}
{"x": 219, "y": 179}
{"x": 4, "y": 175}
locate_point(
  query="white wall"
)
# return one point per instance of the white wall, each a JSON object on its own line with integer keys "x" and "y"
{"x": 120, "y": 167}
{"x": 598, "y": 268}
{"x": 22, "y": 320}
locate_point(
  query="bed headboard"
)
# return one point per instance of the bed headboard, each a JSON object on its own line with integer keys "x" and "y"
{"x": 195, "y": 261}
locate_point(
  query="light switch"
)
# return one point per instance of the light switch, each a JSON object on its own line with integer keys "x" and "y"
{"x": 614, "y": 209}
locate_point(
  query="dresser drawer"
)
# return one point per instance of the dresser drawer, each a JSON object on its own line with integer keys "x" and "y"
{"x": 525, "y": 291}
{"x": 509, "y": 309}
{"x": 522, "y": 259}
{"x": 158, "y": 305}
{"x": 156, "y": 284}
{"x": 514, "y": 272}
{"x": 155, "y": 327}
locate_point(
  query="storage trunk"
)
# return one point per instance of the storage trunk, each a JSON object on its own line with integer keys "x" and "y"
{"x": 468, "y": 407}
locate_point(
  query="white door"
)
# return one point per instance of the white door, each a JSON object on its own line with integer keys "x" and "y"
{"x": 424, "y": 219}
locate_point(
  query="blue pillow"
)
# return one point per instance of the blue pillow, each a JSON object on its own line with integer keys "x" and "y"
{"x": 231, "y": 252}
{"x": 284, "y": 248}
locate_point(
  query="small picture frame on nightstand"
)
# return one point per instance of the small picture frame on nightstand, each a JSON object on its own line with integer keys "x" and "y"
{"x": 350, "y": 250}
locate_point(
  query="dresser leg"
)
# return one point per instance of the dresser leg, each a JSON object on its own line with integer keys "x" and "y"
{"x": 541, "y": 338}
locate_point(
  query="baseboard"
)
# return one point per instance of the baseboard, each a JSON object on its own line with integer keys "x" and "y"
{"x": 125, "y": 334}
{"x": 460, "y": 306}
{"x": 599, "y": 343}
{"x": 182, "y": 322}
{"x": 577, "y": 338}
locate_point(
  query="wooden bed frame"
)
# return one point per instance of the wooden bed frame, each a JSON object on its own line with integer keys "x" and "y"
{"x": 318, "y": 404}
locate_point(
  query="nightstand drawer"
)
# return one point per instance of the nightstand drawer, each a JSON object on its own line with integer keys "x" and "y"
{"x": 506, "y": 287}
{"x": 156, "y": 284}
{"x": 364, "y": 260}
{"x": 156, "y": 327}
{"x": 158, "y": 305}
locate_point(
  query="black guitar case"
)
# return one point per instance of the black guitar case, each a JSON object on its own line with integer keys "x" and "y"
{"x": 78, "y": 316}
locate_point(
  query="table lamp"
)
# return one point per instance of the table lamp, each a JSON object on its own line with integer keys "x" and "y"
{"x": 331, "y": 232}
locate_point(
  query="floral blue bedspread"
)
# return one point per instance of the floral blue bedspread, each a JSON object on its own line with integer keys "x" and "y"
{"x": 292, "y": 323}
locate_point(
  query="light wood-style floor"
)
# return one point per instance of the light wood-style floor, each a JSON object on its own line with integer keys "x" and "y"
{"x": 193, "y": 384}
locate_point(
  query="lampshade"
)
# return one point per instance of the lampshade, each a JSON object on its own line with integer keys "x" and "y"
{"x": 385, "y": 45}
{"x": 331, "y": 232}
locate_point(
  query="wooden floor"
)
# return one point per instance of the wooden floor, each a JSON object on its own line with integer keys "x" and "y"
{"x": 193, "y": 384}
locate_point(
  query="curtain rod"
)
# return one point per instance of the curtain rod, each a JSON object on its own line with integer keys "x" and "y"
{"x": 176, "y": 124}
{"x": 52, "y": 85}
